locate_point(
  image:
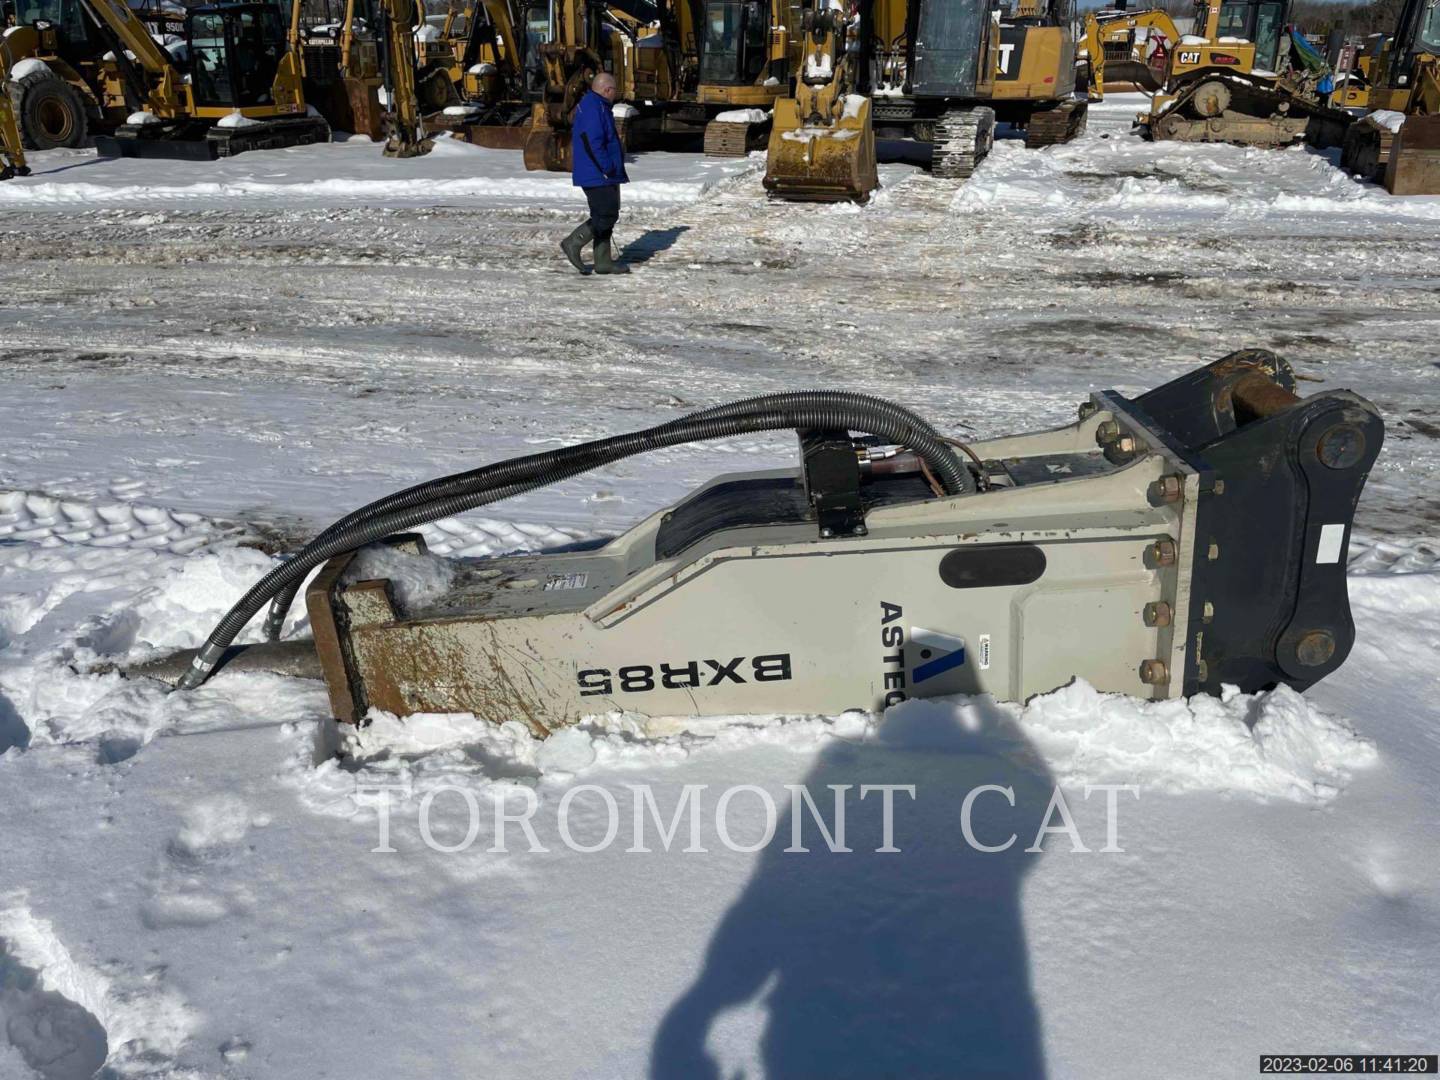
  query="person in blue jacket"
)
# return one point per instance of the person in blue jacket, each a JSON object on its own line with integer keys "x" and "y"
{"x": 599, "y": 169}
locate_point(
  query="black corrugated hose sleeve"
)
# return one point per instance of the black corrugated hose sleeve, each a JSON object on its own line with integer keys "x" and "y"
{"x": 859, "y": 412}
{"x": 465, "y": 491}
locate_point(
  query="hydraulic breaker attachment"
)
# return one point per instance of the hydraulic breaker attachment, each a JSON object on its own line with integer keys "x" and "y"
{"x": 1165, "y": 545}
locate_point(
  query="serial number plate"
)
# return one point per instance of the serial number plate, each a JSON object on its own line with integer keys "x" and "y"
{"x": 1353, "y": 1064}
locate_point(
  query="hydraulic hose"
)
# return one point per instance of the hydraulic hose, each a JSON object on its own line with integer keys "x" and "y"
{"x": 851, "y": 411}
{"x": 465, "y": 491}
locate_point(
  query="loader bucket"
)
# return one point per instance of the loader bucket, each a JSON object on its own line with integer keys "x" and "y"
{"x": 821, "y": 162}
{"x": 1414, "y": 165}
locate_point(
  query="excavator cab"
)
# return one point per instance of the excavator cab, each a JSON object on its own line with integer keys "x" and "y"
{"x": 537, "y": 33}
{"x": 736, "y": 42}
{"x": 1261, "y": 22}
{"x": 235, "y": 53}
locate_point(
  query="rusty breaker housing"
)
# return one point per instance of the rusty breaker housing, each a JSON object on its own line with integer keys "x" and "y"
{"x": 1160, "y": 546}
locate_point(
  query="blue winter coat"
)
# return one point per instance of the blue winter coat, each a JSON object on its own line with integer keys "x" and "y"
{"x": 595, "y": 149}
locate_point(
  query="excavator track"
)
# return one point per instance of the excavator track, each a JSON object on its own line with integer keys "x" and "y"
{"x": 1232, "y": 109}
{"x": 1367, "y": 150}
{"x": 963, "y": 137}
{"x": 726, "y": 139}
{"x": 268, "y": 135}
{"x": 1057, "y": 124}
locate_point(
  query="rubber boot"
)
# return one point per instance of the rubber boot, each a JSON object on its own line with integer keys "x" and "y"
{"x": 575, "y": 243}
{"x": 605, "y": 262}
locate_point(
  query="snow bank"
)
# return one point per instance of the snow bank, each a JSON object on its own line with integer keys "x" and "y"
{"x": 29, "y": 66}
{"x": 1129, "y": 179}
{"x": 1388, "y": 119}
{"x": 85, "y": 1018}
{"x": 743, "y": 116}
{"x": 1270, "y": 745}
{"x": 547, "y": 188}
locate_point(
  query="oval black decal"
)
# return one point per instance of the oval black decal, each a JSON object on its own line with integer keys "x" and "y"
{"x": 987, "y": 565}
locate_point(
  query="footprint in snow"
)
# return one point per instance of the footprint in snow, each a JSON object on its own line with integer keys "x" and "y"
{"x": 211, "y": 836}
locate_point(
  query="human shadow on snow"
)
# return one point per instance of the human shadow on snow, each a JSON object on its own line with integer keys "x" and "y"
{"x": 651, "y": 242}
{"x": 871, "y": 964}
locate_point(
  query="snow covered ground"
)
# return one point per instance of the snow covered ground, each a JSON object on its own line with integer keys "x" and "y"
{"x": 204, "y": 363}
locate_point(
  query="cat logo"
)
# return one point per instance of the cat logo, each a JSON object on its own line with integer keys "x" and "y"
{"x": 1191, "y": 56}
{"x": 1006, "y": 48}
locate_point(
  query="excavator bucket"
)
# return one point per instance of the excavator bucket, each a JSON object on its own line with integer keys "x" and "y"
{"x": 546, "y": 148}
{"x": 1414, "y": 165}
{"x": 351, "y": 105}
{"x": 495, "y": 136}
{"x": 822, "y": 162}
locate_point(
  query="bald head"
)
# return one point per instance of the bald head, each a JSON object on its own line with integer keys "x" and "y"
{"x": 604, "y": 85}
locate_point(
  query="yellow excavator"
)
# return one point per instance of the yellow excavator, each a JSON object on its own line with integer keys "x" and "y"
{"x": 239, "y": 87}
{"x": 372, "y": 48}
{"x": 12, "y": 153}
{"x": 822, "y": 144}
{"x": 343, "y": 72}
{"x": 746, "y": 61}
{"x": 1243, "y": 77}
{"x": 1398, "y": 144}
{"x": 937, "y": 71}
{"x": 1126, "y": 48}
{"x": 481, "y": 53}
{"x": 568, "y": 58}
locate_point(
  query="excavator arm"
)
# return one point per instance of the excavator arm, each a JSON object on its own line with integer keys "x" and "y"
{"x": 1101, "y": 30}
{"x": 164, "y": 96}
{"x": 407, "y": 132}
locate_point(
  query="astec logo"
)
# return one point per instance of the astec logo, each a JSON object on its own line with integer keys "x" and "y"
{"x": 938, "y": 653}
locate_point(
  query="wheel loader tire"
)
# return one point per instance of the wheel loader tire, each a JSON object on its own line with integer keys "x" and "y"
{"x": 50, "y": 112}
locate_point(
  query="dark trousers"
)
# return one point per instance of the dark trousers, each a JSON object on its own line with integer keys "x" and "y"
{"x": 604, "y": 209}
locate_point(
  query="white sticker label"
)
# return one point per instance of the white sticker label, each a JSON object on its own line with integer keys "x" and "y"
{"x": 1331, "y": 537}
{"x": 984, "y": 651}
{"x": 566, "y": 581}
